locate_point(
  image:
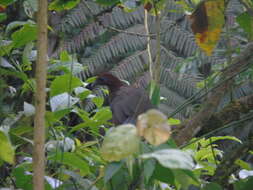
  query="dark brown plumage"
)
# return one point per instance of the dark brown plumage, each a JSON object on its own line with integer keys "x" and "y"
{"x": 126, "y": 102}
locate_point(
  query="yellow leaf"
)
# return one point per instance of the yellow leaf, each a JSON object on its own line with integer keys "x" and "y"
{"x": 153, "y": 126}
{"x": 207, "y": 22}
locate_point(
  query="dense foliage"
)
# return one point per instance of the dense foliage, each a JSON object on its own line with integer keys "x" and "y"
{"x": 83, "y": 149}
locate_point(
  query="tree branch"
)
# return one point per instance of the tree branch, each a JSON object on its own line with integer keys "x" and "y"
{"x": 190, "y": 128}
{"x": 230, "y": 113}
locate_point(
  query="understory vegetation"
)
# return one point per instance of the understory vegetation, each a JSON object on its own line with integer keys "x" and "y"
{"x": 193, "y": 58}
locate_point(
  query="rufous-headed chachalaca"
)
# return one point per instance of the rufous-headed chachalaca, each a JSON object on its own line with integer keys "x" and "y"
{"x": 126, "y": 102}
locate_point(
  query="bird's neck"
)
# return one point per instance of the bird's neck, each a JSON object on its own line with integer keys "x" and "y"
{"x": 113, "y": 88}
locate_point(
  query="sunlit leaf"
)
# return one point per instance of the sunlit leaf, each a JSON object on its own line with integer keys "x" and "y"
{"x": 173, "y": 121}
{"x": 172, "y": 158}
{"x": 120, "y": 142}
{"x": 26, "y": 34}
{"x": 6, "y": 149}
{"x": 62, "y": 101}
{"x": 64, "y": 83}
{"x": 60, "y": 5}
{"x": 153, "y": 126}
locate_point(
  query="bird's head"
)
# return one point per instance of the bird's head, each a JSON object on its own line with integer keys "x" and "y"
{"x": 109, "y": 80}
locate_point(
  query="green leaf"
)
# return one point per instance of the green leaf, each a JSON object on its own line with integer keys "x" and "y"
{"x": 212, "y": 186}
{"x": 245, "y": 20}
{"x": 163, "y": 174}
{"x": 91, "y": 79}
{"x": 13, "y": 25}
{"x": 60, "y": 5}
{"x": 184, "y": 178}
{"x": 148, "y": 169}
{"x": 26, "y": 63}
{"x": 173, "y": 121}
{"x": 73, "y": 160}
{"x": 154, "y": 93}
{"x": 26, "y": 34}
{"x": 172, "y": 158}
{"x": 64, "y": 83}
{"x": 108, "y": 2}
{"x": 22, "y": 180}
{"x": 5, "y": 47}
{"x": 6, "y": 149}
{"x": 103, "y": 114}
{"x": 98, "y": 101}
{"x": 15, "y": 74}
{"x": 226, "y": 138}
{"x": 6, "y": 2}
{"x": 243, "y": 164}
{"x": 64, "y": 56}
{"x": 111, "y": 170}
{"x": 3, "y": 17}
{"x": 245, "y": 184}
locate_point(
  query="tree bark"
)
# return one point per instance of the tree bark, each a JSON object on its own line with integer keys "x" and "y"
{"x": 40, "y": 98}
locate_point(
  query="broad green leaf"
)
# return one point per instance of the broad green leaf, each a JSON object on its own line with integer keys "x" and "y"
{"x": 64, "y": 83}
{"x": 245, "y": 184}
{"x": 60, "y": 5}
{"x": 23, "y": 180}
{"x": 111, "y": 170}
{"x": 120, "y": 142}
{"x": 6, "y": 149}
{"x": 184, "y": 178}
{"x": 243, "y": 164}
{"x": 212, "y": 186}
{"x": 103, "y": 114}
{"x": 26, "y": 34}
{"x": 172, "y": 158}
{"x": 245, "y": 20}
{"x": 163, "y": 174}
{"x": 98, "y": 101}
{"x": 62, "y": 101}
{"x": 73, "y": 160}
{"x": 6, "y": 2}
{"x": 3, "y": 17}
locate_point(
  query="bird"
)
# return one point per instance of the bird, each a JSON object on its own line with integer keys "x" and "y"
{"x": 126, "y": 101}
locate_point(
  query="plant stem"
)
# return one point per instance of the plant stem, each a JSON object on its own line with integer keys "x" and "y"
{"x": 40, "y": 99}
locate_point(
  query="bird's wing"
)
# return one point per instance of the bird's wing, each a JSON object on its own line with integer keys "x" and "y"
{"x": 128, "y": 103}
